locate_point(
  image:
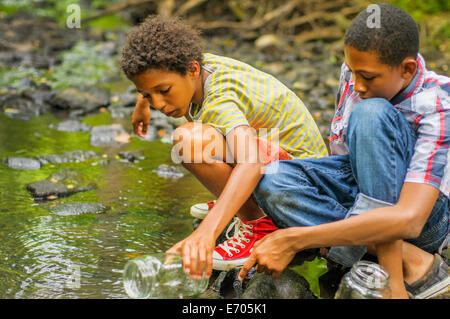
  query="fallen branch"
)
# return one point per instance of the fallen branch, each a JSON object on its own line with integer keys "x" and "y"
{"x": 116, "y": 8}
{"x": 275, "y": 14}
{"x": 329, "y": 33}
{"x": 319, "y": 15}
{"x": 188, "y": 6}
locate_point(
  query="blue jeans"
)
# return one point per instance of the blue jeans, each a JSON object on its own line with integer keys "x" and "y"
{"x": 308, "y": 192}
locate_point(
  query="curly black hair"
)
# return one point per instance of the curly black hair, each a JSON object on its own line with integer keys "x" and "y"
{"x": 161, "y": 43}
{"x": 395, "y": 38}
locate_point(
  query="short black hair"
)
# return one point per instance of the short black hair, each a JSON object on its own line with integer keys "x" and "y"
{"x": 393, "y": 39}
{"x": 161, "y": 43}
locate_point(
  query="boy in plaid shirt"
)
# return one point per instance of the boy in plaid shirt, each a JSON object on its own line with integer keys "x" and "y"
{"x": 390, "y": 140}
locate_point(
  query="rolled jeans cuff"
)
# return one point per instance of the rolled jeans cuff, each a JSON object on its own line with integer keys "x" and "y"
{"x": 349, "y": 255}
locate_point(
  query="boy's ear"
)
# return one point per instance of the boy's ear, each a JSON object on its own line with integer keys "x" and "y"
{"x": 194, "y": 68}
{"x": 409, "y": 67}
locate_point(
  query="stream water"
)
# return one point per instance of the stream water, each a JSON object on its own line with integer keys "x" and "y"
{"x": 43, "y": 255}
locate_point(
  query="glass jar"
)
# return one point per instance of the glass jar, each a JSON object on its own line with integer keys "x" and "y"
{"x": 160, "y": 276}
{"x": 366, "y": 280}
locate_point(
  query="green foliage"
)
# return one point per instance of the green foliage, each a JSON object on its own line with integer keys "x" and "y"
{"x": 51, "y": 8}
{"x": 419, "y": 7}
{"x": 84, "y": 64}
{"x": 311, "y": 271}
{"x": 431, "y": 14}
{"x": 56, "y": 9}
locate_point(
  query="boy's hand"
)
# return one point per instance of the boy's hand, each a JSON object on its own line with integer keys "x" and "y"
{"x": 272, "y": 254}
{"x": 196, "y": 251}
{"x": 141, "y": 117}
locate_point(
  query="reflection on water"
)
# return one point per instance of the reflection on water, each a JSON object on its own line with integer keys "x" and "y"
{"x": 44, "y": 255}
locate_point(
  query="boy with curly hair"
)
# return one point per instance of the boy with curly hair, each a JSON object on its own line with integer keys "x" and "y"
{"x": 229, "y": 106}
{"x": 385, "y": 189}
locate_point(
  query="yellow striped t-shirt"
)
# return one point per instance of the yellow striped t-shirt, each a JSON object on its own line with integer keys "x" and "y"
{"x": 236, "y": 94}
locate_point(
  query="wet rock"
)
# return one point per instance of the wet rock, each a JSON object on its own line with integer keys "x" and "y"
{"x": 120, "y": 112}
{"x": 130, "y": 156}
{"x": 21, "y": 107}
{"x": 102, "y": 162}
{"x": 107, "y": 135}
{"x": 71, "y": 126}
{"x": 60, "y": 184}
{"x": 124, "y": 99}
{"x": 22, "y": 163}
{"x": 32, "y": 41}
{"x": 78, "y": 208}
{"x": 68, "y": 157}
{"x": 38, "y": 93}
{"x": 230, "y": 286}
{"x": 289, "y": 285}
{"x": 168, "y": 172}
{"x": 161, "y": 123}
{"x": 82, "y": 98}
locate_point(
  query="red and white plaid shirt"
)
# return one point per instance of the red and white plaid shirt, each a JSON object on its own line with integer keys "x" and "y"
{"x": 426, "y": 105}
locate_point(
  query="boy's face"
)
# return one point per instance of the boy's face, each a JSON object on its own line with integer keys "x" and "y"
{"x": 375, "y": 79}
{"x": 167, "y": 91}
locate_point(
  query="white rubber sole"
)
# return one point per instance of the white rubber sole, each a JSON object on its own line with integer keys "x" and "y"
{"x": 199, "y": 210}
{"x": 220, "y": 264}
{"x": 436, "y": 289}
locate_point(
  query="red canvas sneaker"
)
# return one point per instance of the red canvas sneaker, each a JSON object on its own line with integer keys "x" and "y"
{"x": 202, "y": 209}
{"x": 236, "y": 250}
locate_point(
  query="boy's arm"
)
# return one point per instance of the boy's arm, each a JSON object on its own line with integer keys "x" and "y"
{"x": 141, "y": 116}
{"x": 243, "y": 180}
{"x": 403, "y": 220}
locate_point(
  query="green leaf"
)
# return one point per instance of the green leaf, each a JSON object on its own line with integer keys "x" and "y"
{"x": 311, "y": 271}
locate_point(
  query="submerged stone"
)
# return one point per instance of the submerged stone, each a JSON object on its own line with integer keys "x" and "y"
{"x": 78, "y": 208}
{"x": 22, "y": 163}
{"x": 289, "y": 285}
{"x": 68, "y": 157}
{"x": 20, "y": 107}
{"x": 60, "y": 184}
{"x": 71, "y": 126}
{"x": 107, "y": 135}
{"x": 83, "y": 98}
{"x": 168, "y": 172}
{"x": 131, "y": 156}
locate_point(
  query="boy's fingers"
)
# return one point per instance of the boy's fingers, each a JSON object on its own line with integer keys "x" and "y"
{"x": 209, "y": 263}
{"x": 140, "y": 130}
{"x": 201, "y": 263}
{"x": 144, "y": 128}
{"x": 247, "y": 266}
{"x": 186, "y": 259}
{"x": 137, "y": 127}
{"x": 193, "y": 263}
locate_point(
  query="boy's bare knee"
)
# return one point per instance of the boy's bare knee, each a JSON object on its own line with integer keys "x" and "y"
{"x": 198, "y": 143}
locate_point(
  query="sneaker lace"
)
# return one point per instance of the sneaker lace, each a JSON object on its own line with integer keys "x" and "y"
{"x": 240, "y": 229}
